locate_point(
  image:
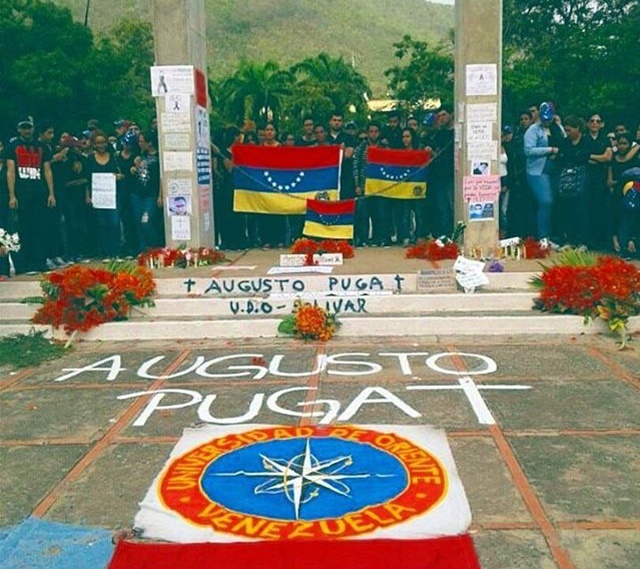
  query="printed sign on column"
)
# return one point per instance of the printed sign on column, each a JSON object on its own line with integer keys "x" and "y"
{"x": 203, "y": 146}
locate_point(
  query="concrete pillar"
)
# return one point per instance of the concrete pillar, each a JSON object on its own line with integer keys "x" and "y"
{"x": 179, "y": 85}
{"x": 478, "y": 86}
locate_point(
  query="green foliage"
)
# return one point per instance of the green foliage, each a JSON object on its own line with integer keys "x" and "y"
{"x": 26, "y": 350}
{"x": 428, "y": 72}
{"x": 51, "y": 67}
{"x": 578, "y": 53}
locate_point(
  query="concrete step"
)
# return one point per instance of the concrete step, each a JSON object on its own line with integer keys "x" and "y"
{"x": 173, "y": 329}
{"x": 183, "y": 284}
{"x": 260, "y": 307}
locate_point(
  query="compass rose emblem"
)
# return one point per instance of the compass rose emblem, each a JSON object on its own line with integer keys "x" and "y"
{"x": 303, "y": 477}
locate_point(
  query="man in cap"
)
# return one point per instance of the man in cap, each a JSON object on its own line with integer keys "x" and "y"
{"x": 31, "y": 191}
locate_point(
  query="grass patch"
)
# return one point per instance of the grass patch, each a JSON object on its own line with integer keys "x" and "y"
{"x": 27, "y": 350}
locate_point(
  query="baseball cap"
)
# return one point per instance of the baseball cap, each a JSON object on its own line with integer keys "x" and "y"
{"x": 350, "y": 125}
{"x": 507, "y": 129}
{"x": 25, "y": 122}
{"x": 121, "y": 122}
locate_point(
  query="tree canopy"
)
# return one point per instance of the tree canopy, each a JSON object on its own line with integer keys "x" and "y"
{"x": 54, "y": 69}
{"x": 578, "y": 53}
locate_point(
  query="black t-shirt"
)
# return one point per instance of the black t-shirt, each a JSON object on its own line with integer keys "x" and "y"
{"x": 148, "y": 176}
{"x": 572, "y": 155}
{"x": 29, "y": 158}
{"x": 597, "y": 146}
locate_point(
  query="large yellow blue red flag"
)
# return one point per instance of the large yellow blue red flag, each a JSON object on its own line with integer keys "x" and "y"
{"x": 399, "y": 174}
{"x": 280, "y": 179}
{"x": 329, "y": 220}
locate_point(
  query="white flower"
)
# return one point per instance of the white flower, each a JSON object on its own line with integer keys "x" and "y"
{"x": 10, "y": 242}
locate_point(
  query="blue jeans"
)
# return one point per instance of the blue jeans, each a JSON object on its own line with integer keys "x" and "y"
{"x": 110, "y": 233}
{"x": 144, "y": 210}
{"x": 541, "y": 190}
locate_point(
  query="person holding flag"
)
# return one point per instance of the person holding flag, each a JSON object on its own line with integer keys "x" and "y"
{"x": 369, "y": 211}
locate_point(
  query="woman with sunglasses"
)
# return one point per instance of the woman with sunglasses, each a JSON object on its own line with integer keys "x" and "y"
{"x": 598, "y": 195}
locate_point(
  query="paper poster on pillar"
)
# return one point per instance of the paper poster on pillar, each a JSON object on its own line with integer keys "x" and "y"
{"x": 481, "y": 79}
{"x": 177, "y": 103}
{"x": 203, "y": 146}
{"x": 180, "y": 187}
{"x": 175, "y": 122}
{"x": 480, "y": 188}
{"x": 180, "y": 228}
{"x": 172, "y": 79}
{"x": 206, "y": 207}
{"x": 246, "y": 483}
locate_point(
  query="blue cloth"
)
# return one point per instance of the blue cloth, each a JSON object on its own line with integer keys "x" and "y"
{"x": 38, "y": 544}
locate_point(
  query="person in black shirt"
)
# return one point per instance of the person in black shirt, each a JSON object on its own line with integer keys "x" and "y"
{"x": 598, "y": 192}
{"x": 31, "y": 191}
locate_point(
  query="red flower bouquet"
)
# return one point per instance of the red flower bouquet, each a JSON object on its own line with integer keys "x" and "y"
{"x": 434, "y": 250}
{"x": 80, "y": 298}
{"x": 594, "y": 287}
{"x": 533, "y": 249}
{"x": 309, "y": 322}
{"x": 306, "y": 246}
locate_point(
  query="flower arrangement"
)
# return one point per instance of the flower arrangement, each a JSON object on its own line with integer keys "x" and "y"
{"x": 593, "y": 286}
{"x": 309, "y": 322}
{"x": 310, "y": 247}
{"x": 533, "y": 249}
{"x": 161, "y": 257}
{"x": 80, "y": 298}
{"x": 438, "y": 249}
{"x": 434, "y": 250}
{"x": 9, "y": 242}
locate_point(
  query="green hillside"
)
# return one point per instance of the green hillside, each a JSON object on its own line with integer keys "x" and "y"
{"x": 286, "y": 31}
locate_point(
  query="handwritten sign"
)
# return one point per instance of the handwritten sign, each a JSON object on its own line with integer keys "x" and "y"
{"x": 103, "y": 190}
{"x": 480, "y": 188}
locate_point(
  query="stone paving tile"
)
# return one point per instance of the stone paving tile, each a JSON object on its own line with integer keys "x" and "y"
{"x": 108, "y": 492}
{"x": 583, "y": 478}
{"x": 600, "y": 549}
{"x": 629, "y": 360}
{"x": 50, "y": 413}
{"x": 564, "y": 404}
{"x": 479, "y": 461}
{"x": 543, "y": 362}
{"x": 28, "y": 474}
{"x": 521, "y": 549}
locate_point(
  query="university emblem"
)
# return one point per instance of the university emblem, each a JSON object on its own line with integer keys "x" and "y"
{"x": 288, "y": 483}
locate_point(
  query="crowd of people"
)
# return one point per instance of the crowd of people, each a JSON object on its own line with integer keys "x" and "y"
{"x": 562, "y": 181}
{"x": 378, "y": 221}
{"x": 49, "y": 185}
{"x": 565, "y": 181}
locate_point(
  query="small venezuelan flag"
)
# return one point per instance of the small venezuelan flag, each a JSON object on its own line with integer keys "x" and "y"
{"x": 398, "y": 174}
{"x": 329, "y": 220}
{"x": 280, "y": 179}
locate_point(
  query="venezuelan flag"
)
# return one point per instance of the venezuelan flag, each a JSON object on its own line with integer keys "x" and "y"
{"x": 329, "y": 220}
{"x": 399, "y": 174}
{"x": 280, "y": 179}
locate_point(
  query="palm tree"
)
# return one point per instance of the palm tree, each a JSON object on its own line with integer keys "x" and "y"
{"x": 255, "y": 90}
{"x": 334, "y": 79}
